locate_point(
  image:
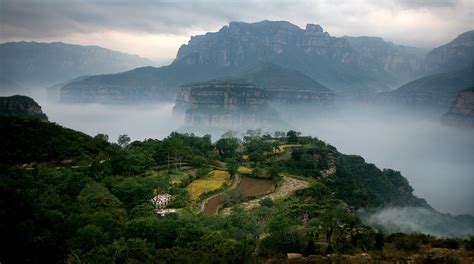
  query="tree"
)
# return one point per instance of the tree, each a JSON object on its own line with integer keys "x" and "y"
{"x": 123, "y": 140}
{"x": 227, "y": 147}
{"x": 232, "y": 168}
{"x": 292, "y": 136}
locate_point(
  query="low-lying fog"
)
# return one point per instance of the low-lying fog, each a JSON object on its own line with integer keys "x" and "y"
{"x": 437, "y": 160}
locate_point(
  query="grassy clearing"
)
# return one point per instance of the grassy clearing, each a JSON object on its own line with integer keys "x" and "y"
{"x": 284, "y": 147}
{"x": 244, "y": 170}
{"x": 214, "y": 181}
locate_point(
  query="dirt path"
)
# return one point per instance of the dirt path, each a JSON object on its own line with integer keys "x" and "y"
{"x": 288, "y": 186}
{"x": 214, "y": 198}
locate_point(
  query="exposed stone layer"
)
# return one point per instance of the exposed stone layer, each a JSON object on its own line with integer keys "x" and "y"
{"x": 462, "y": 110}
{"x": 226, "y": 105}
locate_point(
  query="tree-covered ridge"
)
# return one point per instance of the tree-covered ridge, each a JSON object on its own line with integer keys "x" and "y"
{"x": 97, "y": 208}
{"x": 21, "y": 106}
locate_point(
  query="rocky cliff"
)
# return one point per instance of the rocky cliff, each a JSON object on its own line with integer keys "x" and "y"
{"x": 21, "y": 106}
{"x": 226, "y": 105}
{"x": 461, "y": 112}
{"x": 280, "y": 85}
{"x": 343, "y": 64}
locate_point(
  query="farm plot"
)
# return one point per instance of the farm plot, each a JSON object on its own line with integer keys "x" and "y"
{"x": 214, "y": 181}
{"x": 254, "y": 187}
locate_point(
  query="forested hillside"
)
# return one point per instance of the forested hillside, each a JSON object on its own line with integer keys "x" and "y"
{"x": 69, "y": 197}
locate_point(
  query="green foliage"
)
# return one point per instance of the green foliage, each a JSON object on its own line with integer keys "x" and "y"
{"x": 446, "y": 243}
{"x": 292, "y": 136}
{"x": 29, "y": 140}
{"x": 227, "y": 147}
{"x": 100, "y": 211}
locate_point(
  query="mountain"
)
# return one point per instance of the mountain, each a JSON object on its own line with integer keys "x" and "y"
{"x": 348, "y": 66}
{"x": 138, "y": 85}
{"x": 455, "y": 55}
{"x": 345, "y": 65}
{"x": 436, "y": 91}
{"x": 33, "y": 63}
{"x": 21, "y": 106}
{"x": 53, "y": 92}
{"x": 461, "y": 112}
{"x": 380, "y": 56}
{"x": 280, "y": 85}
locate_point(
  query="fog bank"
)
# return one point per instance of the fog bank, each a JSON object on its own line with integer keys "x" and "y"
{"x": 419, "y": 220}
{"x": 437, "y": 160}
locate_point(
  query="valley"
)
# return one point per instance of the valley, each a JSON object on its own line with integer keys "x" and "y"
{"x": 257, "y": 132}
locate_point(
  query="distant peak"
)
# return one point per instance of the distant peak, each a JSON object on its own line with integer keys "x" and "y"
{"x": 314, "y": 28}
{"x": 263, "y": 24}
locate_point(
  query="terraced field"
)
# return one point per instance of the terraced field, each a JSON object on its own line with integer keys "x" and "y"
{"x": 214, "y": 181}
{"x": 254, "y": 187}
{"x": 244, "y": 170}
{"x": 288, "y": 186}
{"x": 283, "y": 148}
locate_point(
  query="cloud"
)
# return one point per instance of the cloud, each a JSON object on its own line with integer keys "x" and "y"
{"x": 428, "y": 3}
{"x": 413, "y": 22}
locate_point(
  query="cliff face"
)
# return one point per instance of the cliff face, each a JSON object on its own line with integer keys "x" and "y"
{"x": 280, "y": 85}
{"x": 21, "y": 106}
{"x": 462, "y": 110}
{"x": 226, "y": 105}
{"x": 343, "y": 64}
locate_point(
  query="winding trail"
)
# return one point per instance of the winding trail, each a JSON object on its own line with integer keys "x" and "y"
{"x": 205, "y": 202}
{"x": 287, "y": 187}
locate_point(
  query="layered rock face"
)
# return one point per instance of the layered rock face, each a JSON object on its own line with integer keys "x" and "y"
{"x": 21, "y": 106}
{"x": 280, "y": 85}
{"x": 226, "y": 105}
{"x": 462, "y": 110}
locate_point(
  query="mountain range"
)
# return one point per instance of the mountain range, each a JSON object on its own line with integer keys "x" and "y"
{"x": 279, "y": 56}
{"x": 32, "y": 63}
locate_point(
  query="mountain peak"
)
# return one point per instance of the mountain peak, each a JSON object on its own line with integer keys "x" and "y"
{"x": 314, "y": 28}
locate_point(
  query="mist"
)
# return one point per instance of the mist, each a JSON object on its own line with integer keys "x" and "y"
{"x": 418, "y": 220}
{"x": 437, "y": 160}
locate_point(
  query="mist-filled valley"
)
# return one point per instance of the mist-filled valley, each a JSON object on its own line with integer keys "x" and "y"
{"x": 206, "y": 132}
{"x": 438, "y": 160}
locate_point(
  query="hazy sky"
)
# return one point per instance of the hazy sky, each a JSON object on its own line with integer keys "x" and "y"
{"x": 156, "y": 29}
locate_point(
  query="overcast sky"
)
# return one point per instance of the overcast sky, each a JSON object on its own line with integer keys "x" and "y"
{"x": 156, "y": 29}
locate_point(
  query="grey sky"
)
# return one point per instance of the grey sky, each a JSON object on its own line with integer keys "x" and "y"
{"x": 156, "y": 29}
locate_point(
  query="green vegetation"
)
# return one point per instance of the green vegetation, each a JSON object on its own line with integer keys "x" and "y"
{"x": 81, "y": 199}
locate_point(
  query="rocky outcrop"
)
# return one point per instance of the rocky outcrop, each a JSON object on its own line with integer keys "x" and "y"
{"x": 280, "y": 85}
{"x": 226, "y": 105}
{"x": 21, "y": 106}
{"x": 462, "y": 110}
